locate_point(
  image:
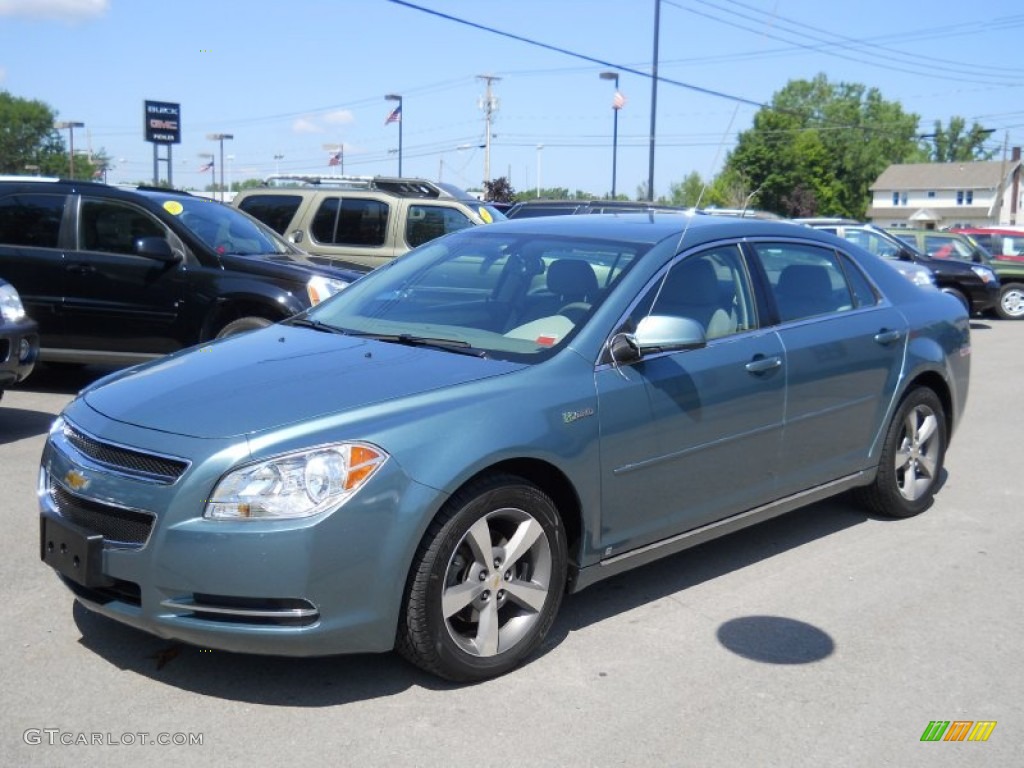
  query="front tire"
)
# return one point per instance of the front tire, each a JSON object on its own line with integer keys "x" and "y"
{"x": 912, "y": 458}
{"x": 1011, "y": 302}
{"x": 243, "y": 324}
{"x": 486, "y": 583}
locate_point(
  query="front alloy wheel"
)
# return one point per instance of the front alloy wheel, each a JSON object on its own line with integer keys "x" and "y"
{"x": 487, "y": 583}
{"x": 912, "y": 458}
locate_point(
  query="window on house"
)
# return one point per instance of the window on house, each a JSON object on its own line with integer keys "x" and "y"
{"x": 970, "y": 196}
{"x": 903, "y": 199}
{"x": 895, "y": 198}
{"x": 959, "y": 197}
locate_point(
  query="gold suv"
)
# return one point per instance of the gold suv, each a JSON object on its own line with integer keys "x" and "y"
{"x": 361, "y": 221}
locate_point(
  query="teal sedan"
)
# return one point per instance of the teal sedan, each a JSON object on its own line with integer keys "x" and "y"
{"x": 430, "y": 460}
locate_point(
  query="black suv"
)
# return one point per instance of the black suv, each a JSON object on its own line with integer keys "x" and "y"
{"x": 976, "y": 286}
{"x": 120, "y": 275}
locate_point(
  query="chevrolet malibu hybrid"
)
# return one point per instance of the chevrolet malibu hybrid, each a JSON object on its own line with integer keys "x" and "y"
{"x": 432, "y": 458}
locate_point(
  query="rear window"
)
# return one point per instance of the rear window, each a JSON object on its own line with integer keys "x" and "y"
{"x": 276, "y": 211}
{"x": 31, "y": 220}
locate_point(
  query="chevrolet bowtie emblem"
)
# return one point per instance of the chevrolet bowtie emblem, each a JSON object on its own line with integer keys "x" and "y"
{"x": 75, "y": 480}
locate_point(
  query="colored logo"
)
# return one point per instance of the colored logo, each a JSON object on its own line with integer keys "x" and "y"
{"x": 958, "y": 730}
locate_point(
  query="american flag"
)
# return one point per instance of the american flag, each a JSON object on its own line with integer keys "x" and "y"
{"x": 207, "y": 167}
{"x": 335, "y": 158}
{"x": 618, "y": 101}
{"x": 395, "y": 116}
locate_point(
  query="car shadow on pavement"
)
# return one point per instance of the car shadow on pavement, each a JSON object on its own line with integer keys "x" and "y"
{"x": 61, "y": 379}
{"x": 19, "y": 423}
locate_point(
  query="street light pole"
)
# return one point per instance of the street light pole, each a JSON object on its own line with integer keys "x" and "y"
{"x": 70, "y": 125}
{"x": 397, "y": 116}
{"x": 277, "y": 164}
{"x": 616, "y": 106}
{"x": 220, "y": 137}
{"x": 539, "y": 148}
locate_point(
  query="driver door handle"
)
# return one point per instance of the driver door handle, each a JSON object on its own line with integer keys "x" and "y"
{"x": 888, "y": 337}
{"x": 764, "y": 364}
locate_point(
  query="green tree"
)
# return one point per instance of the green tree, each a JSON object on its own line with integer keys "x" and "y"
{"x": 818, "y": 147}
{"x": 29, "y": 142}
{"x": 955, "y": 143}
{"x": 688, "y": 193}
{"x": 499, "y": 191}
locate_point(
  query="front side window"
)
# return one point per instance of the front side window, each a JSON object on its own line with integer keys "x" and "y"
{"x": 350, "y": 221}
{"x": 806, "y": 280}
{"x": 710, "y": 287}
{"x": 427, "y": 222}
{"x": 113, "y": 227}
{"x": 31, "y": 220}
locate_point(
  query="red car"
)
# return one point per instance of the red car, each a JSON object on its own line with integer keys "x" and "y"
{"x": 1006, "y": 244}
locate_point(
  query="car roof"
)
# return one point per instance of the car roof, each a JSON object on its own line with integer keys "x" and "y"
{"x": 654, "y": 227}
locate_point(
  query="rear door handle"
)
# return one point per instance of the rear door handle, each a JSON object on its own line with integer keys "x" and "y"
{"x": 763, "y": 364}
{"x": 888, "y": 337}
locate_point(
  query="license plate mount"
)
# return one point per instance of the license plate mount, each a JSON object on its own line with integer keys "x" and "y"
{"x": 72, "y": 551}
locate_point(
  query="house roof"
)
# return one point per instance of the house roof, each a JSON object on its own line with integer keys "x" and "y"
{"x": 983, "y": 175}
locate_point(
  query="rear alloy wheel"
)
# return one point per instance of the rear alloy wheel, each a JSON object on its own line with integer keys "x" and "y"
{"x": 243, "y": 324}
{"x": 487, "y": 581}
{"x": 912, "y": 458}
{"x": 1011, "y": 301}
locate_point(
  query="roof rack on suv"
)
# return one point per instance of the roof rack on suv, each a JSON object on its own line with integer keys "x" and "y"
{"x": 396, "y": 186}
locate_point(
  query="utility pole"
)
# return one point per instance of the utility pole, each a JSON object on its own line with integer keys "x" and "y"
{"x": 654, "y": 99}
{"x": 489, "y": 104}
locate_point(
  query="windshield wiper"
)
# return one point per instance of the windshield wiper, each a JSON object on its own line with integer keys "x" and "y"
{"x": 316, "y": 325}
{"x": 458, "y": 346}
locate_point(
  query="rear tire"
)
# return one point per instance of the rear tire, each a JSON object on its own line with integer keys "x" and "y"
{"x": 243, "y": 324}
{"x": 1011, "y": 302}
{"x": 486, "y": 583}
{"x": 912, "y": 458}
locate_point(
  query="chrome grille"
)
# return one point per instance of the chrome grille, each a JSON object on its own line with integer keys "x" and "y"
{"x": 122, "y": 526}
{"x": 161, "y": 468}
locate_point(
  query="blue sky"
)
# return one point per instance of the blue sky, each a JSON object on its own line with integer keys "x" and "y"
{"x": 288, "y": 78}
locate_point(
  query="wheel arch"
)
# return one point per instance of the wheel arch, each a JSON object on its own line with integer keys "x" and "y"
{"x": 229, "y": 309}
{"x": 934, "y": 381}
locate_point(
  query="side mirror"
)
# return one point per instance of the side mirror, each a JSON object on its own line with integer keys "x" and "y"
{"x": 156, "y": 248}
{"x": 664, "y": 333}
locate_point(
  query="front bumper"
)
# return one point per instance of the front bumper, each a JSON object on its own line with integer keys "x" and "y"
{"x": 19, "y": 350}
{"x": 323, "y": 585}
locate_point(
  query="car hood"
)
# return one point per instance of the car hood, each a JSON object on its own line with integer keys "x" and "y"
{"x": 287, "y": 265}
{"x": 276, "y": 376}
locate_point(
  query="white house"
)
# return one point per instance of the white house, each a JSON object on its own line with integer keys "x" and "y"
{"x": 941, "y": 195}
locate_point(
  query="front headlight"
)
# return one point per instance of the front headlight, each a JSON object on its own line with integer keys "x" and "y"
{"x": 320, "y": 288}
{"x": 294, "y": 485}
{"x": 986, "y": 274}
{"x": 11, "y": 308}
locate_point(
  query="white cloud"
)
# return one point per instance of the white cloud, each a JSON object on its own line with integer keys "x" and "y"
{"x": 339, "y": 117}
{"x": 305, "y": 125}
{"x": 55, "y": 10}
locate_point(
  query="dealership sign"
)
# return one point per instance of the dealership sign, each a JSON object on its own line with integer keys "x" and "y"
{"x": 163, "y": 122}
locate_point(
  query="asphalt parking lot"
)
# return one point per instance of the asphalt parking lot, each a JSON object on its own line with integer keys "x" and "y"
{"x": 825, "y": 638}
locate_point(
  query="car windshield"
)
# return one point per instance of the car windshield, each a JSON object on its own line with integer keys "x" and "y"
{"x": 505, "y": 295}
{"x": 222, "y": 228}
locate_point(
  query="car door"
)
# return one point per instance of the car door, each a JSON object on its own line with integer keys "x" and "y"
{"x": 693, "y": 436}
{"x": 31, "y": 257}
{"x": 115, "y": 299}
{"x": 844, "y": 347}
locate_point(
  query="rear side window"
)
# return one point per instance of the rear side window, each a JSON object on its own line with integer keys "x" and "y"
{"x": 429, "y": 221}
{"x": 341, "y": 221}
{"x": 276, "y": 211}
{"x": 806, "y": 280}
{"x": 31, "y": 220}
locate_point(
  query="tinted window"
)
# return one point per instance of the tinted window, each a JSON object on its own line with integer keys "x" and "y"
{"x": 341, "y": 221}
{"x": 429, "y": 221}
{"x": 32, "y": 220}
{"x": 862, "y": 291}
{"x": 276, "y": 211}
{"x": 806, "y": 280}
{"x": 114, "y": 227}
